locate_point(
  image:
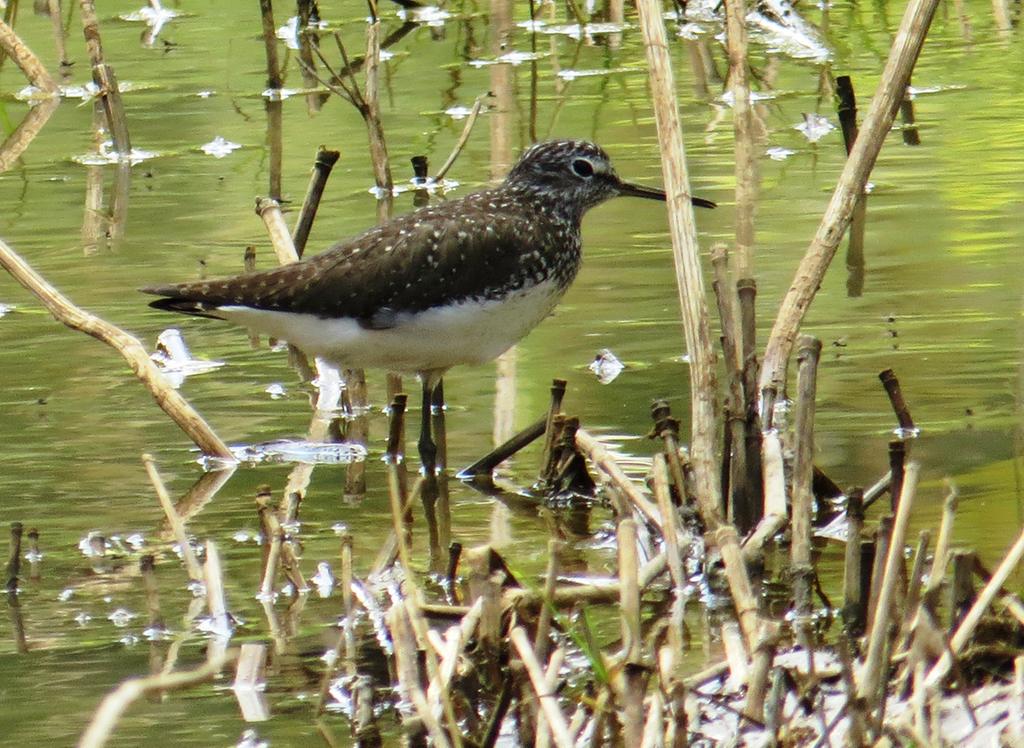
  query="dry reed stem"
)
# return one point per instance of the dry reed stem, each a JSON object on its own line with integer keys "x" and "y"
{"x": 727, "y": 540}
{"x": 169, "y": 399}
{"x": 803, "y": 470}
{"x": 541, "y": 641}
{"x": 16, "y": 143}
{"x": 669, "y": 530}
{"x": 760, "y": 670}
{"x": 652, "y": 734}
{"x": 547, "y": 458}
{"x": 690, "y": 282}
{"x": 743, "y": 128}
{"x": 603, "y": 459}
{"x": 970, "y": 621}
{"x": 941, "y": 557}
{"x": 322, "y": 166}
{"x": 26, "y": 60}
{"x": 407, "y": 668}
{"x": 548, "y": 700}
{"x": 871, "y": 675}
{"x": 551, "y": 676}
{"x": 774, "y": 480}
{"x": 192, "y": 566}
{"x": 852, "y": 591}
{"x": 269, "y": 210}
{"x": 463, "y": 137}
{"x": 583, "y": 593}
{"x": 629, "y": 591}
{"x": 905, "y": 49}
{"x": 117, "y": 701}
{"x": 1018, "y": 697}
{"x": 371, "y": 111}
{"x": 686, "y": 254}
{"x": 106, "y": 82}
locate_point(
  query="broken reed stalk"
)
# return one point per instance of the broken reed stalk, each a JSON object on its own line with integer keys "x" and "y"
{"x": 741, "y": 508}
{"x": 14, "y": 557}
{"x": 569, "y": 595}
{"x": 970, "y": 621}
{"x": 322, "y": 166}
{"x": 482, "y": 468}
{"x": 105, "y": 80}
{"x": 168, "y": 398}
{"x": 463, "y": 137}
{"x": 809, "y": 275}
{"x": 760, "y": 670}
{"x": 874, "y": 661}
{"x": 883, "y": 534}
{"x": 899, "y": 404}
{"x": 667, "y": 428}
{"x": 603, "y": 460}
{"x": 547, "y": 459}
{"x": 663, "y": 495}
{"x": 809, "y": 349}
{"x": 192, "y": 566}
{"x": 686, "y": 254}
{"x": 775, "y": 510}
{"x": 116, "y": 702}
{"x": 940, "y": 559}
{"x": 548, "y": 701}
{"x": 147, "y": 568}
{"x": 269, "y": 210}
{"x": 728, "y": 314}
{"x": 852, "y": 593}
{"x": 629, "y": 591}
{"x": 897, "y": 462}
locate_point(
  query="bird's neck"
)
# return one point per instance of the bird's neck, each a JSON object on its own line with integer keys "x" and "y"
{"x": 547, "y": 204}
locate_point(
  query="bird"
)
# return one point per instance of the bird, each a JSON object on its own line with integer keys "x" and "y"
{"x": 456, "y": 282}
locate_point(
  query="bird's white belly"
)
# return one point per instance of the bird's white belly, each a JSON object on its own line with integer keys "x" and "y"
{"x": 470, "y": 332}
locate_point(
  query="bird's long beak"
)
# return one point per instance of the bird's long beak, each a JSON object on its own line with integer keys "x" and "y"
{"x": 652, "y": 193}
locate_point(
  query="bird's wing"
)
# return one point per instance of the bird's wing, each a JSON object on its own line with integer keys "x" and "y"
{"x": 408, "y": 265}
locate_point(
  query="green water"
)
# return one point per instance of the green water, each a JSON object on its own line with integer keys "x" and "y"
{"x": 941, "y": 305}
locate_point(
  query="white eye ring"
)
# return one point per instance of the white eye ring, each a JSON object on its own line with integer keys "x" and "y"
{"x": 582, "y": 167}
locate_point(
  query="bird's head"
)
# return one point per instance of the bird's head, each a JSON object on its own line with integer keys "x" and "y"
{"x": 576, "y": 174}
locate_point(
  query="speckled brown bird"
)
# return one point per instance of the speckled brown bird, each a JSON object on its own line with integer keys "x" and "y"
{"x": 459, "y": 282}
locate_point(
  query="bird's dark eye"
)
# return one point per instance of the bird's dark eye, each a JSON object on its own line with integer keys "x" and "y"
{"x": 582, "y": 168}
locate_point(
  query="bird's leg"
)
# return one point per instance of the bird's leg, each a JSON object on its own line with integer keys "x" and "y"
{"x": 440, "y": 432}
{"x": 428, "y": 450}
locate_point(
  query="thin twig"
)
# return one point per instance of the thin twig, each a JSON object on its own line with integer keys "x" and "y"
{"x": 463, "y": 137}
{"x": 117, "y": 701}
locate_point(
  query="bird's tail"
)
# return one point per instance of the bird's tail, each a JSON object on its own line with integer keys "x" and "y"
{"x": 184, "y": 298}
